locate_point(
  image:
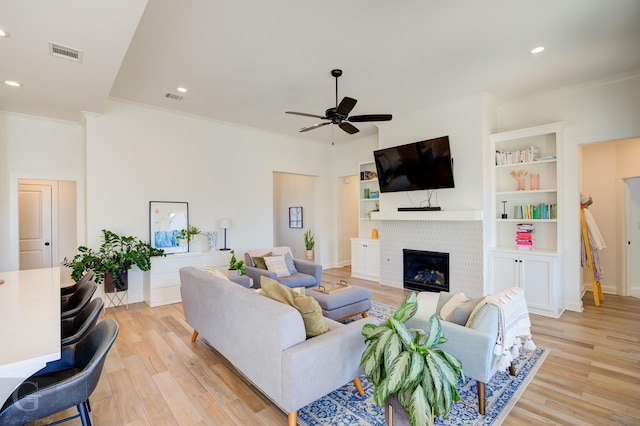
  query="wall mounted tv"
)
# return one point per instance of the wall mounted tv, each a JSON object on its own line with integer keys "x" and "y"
{"x": 416, "y": 166}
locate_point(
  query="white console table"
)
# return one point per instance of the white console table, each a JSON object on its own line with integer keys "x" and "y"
{"x": 162, "y": 282}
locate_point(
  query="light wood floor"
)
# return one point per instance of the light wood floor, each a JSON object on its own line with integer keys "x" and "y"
{"x": 154, "y": 375}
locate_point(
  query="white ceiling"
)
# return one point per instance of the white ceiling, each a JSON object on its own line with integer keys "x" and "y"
{"x": 247, "y": 62}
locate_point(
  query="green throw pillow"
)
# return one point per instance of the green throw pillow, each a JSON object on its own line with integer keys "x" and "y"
{"x": 308, "y": 307}
{"x": 259, "y": 262}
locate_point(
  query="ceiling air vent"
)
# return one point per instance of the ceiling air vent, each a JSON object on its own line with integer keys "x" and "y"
{"x": 65, "y": 52}
{"x": 173, "y": 96}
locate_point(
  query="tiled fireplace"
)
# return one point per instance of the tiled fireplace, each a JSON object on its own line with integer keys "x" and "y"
{"x": 425, "y": 270}
{"x": 462, "y": 240}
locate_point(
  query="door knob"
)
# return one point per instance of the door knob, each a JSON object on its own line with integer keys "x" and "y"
{"x": 47, "y": 243}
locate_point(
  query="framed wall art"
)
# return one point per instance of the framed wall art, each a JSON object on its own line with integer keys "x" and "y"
{"x": 166, "y": 220}
{"x": 295, "y": 217}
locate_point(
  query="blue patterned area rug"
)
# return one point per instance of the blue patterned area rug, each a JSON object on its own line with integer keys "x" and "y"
{"x": 345, "y": 407}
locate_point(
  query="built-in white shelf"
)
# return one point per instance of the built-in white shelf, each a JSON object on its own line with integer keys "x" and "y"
{"x": 441, "y": 215}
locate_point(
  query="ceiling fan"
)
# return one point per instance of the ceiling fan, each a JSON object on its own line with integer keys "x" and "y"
{"x": 340, "y": 113}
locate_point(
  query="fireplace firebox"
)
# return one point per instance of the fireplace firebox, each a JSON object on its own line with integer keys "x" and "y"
{"x": 425, "y": 270}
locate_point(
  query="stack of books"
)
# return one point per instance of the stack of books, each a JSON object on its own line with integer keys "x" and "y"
{"x": 524, "y": 236}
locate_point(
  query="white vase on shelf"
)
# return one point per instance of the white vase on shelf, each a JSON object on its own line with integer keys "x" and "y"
{"x": 213, "y": 240}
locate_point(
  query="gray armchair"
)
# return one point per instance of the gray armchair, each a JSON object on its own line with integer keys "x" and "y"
{"x": 473, "y": 345}
{"x": 307, "y": 274}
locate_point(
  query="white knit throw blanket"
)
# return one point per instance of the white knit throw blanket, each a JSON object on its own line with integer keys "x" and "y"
{"x": 513, "y": 326}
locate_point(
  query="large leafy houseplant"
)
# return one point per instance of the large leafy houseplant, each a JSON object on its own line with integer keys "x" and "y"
{"x": 407, "y": 363}
{"x": 113, "y": 259}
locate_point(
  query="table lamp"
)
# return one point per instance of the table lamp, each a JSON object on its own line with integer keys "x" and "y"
{"x": 224, "y": 223}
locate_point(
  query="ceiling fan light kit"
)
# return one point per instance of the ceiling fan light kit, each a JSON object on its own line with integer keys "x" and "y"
{"x": 339, "y": 114}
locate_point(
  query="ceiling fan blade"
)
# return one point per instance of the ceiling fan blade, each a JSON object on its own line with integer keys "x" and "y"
{"x": 346, "y": 105}
{"x": 370, "y": 117}
{"x": 349, "y": 128}
{"x": 315, "y": 126}
{"x": 305, "y": 114}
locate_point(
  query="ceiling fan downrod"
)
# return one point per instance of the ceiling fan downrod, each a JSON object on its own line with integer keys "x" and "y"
{"x": 336, "y": 73}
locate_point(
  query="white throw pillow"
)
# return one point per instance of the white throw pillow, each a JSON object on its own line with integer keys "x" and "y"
{"x": 213, "y": 271}
{"x": 455, "y": 301}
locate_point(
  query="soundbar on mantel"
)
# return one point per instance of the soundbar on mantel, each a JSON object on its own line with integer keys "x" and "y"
{"x": 419, "y": 209}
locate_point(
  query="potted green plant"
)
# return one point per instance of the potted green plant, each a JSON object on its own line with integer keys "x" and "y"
{"x": 189, "y": 233}
{"x": 406, "y": 365}
{"x": 236, "y": 267}
{"x": 113, "y": 259}
{"x": 309, "y": 242}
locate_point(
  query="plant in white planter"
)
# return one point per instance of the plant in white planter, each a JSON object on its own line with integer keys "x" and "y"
{"x": 407, "y": 364}
{"x": 236, "y": 267}
{"x": 309, "y": 243}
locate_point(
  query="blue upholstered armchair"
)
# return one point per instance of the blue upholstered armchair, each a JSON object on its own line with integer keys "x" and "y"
{"x": 301, "y": 272}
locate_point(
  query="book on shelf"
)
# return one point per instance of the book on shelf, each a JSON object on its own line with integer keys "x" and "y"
{"x": 535, "y": 211}
{"x": 514, "y": 157}
{"x": 524, "y": 236}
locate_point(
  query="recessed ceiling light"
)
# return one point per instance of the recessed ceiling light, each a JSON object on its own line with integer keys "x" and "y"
{"x": 538, "y": 49}
{"x": 4, "y": 34}
{"x": 12, "y": 83}
{"x": 182, "y": 90}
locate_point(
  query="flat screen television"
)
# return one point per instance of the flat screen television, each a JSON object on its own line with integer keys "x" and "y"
{"x": 415, "y": 166}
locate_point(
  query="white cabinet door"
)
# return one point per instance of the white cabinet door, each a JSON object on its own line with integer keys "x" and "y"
{"x": 504, "y": 271}
{"x": 365, "y": 259}
{"x": 373, "y": 259}
{"x": 536, "y": 278}
{"x": 358, "y": 258}
{"x": 534, "y": 273}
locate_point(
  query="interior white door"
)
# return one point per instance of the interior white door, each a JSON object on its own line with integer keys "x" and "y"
{"x": 35, "y": 228}
{"x": 633, "y": 238}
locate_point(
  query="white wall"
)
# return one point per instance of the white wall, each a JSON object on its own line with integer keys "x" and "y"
{"x": 136, "y": 154}
{"x": 462, "y": 120}
{"x": 599, "y": 111}
{"x": 35, "y": 148}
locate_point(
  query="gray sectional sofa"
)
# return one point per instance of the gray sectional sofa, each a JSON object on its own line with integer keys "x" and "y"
{"x": 266, "y": 341}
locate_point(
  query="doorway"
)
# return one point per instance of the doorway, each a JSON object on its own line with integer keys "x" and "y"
{"x": 632, "y": 202}
{"x": 47, "y": 222}
{"x": 292, "y": 191}
{"x": 348, "y": 194}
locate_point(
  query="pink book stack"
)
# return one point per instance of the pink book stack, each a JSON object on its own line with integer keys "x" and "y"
{"x": 524, "y": 236}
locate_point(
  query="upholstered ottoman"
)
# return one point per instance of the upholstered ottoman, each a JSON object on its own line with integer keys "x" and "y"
{"x": 343, "y": 304}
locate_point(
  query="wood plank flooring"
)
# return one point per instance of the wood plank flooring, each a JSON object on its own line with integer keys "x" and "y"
{"x": 154, "y": 375}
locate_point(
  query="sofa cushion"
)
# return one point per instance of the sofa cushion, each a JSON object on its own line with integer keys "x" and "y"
{"x": 455, "y": 301}
{"x": 291, "y": 266}
{"x": 258, "y": 261}
{"x": 213, "y": 271}
{"x": 460, "y": 314}
{"x": 456, "y": 308}
{"x": 278, "y": 265}
{"x": 308, "y": 307}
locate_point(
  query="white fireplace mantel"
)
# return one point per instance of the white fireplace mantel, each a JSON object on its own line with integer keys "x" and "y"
{"x": 440, "y": 215}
